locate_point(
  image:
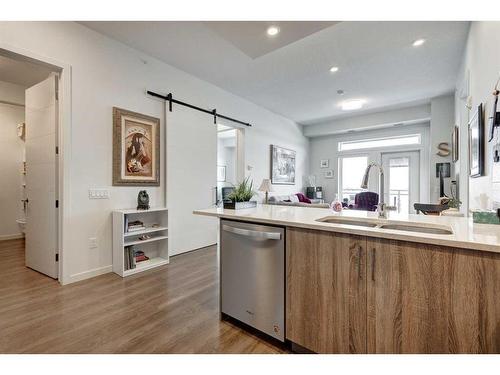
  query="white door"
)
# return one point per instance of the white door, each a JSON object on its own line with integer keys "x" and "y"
{"x": 402, "y": 179}
{"x": 41, "y": 164}
{"x": 191, "y": 178}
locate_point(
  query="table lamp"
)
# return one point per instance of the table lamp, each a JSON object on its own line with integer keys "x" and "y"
{"x": 266, "y": 187}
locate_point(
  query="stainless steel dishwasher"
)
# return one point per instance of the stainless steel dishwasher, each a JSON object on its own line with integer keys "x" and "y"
{"x": 252, "y": 261}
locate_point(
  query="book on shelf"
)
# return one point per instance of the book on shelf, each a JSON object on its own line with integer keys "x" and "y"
{"x": 132, "y": 256}
{"x": 129, "y": 258}
{"x": 133, "y": 226}
{"x": 140, "y": 256}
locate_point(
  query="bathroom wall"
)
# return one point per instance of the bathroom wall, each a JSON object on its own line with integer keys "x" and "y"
{"x": 11, "y": 158}
{"x": 479, "y": 71}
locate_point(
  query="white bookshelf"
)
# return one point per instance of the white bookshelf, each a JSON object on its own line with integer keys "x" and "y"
{"x": 155, "y": 247}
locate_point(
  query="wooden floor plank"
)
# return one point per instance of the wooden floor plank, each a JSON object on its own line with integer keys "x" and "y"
{"x": 171, "y": 309}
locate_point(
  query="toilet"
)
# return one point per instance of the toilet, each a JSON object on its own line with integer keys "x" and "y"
{"x": 22, "y": 224}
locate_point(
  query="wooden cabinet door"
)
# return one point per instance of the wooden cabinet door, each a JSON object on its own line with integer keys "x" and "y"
{"x": 431, "y": 299}
{"x": 326, "y": 291}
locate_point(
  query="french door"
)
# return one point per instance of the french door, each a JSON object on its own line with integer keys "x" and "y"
{"x": 402, "y": 179}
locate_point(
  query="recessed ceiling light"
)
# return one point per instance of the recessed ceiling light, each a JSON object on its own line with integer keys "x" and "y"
{"x": 273, "y": 30}
{"x": 350, "y": 105}
{"x": 418, "y": 42}
{"x": 334, "y": 69}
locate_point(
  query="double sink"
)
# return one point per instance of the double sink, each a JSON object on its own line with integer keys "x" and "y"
{"x": 392, "y": 225}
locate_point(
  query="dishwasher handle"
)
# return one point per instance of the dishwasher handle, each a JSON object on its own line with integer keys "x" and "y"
{"x": 252, "y": 233}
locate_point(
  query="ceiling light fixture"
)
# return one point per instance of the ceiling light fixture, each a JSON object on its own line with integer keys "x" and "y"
{"x": 350, "y": 105}
{"x": 418, "y": 42}
{"x": 273, "y": 30}
{"x": 334, "y": 69}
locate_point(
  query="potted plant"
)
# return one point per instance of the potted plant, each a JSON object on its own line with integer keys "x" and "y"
{"x": 240, "y": 197}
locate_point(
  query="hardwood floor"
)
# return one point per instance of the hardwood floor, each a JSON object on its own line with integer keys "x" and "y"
{"x": 171, "y": 309}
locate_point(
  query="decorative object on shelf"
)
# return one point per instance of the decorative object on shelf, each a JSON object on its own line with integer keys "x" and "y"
{"x": 445, "y": 169}
{"x": 282, "y": 166}
{"x": 329, "y": 174}
{"x": 241, "y": 195}
{"x": 455, "y": 144}
{"x": 136, "y": 149}
{"x": 221, "y": 173}
{"x": 324, "y": 163}
{"x": 443, "y": 149}
{"x": 143, "y": 200}
{"x": 266, "y": 187}
{"x": 476, "y": 143}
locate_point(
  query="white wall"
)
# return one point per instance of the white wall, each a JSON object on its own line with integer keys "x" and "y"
{"x": 481, "y": 62}
{"x": 442, "y": 121}
{"x": 327, "y": 148}
{"x": 11, "y": 157}
{"x": 105, "y": 73}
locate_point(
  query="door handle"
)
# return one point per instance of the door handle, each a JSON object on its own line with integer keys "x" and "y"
{"x": 252, "y": 233}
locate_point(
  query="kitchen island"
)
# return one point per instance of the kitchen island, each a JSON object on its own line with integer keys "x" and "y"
{"x": 407, "y": 284}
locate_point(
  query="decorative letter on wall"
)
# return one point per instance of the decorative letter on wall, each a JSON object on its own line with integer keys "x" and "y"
{"x": 443, "y": 149}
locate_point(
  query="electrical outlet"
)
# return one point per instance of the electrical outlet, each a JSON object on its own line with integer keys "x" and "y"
{"x": 100, "y": 193}
{"x": 92, "y": 243}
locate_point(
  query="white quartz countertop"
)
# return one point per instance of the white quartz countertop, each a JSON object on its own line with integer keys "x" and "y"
{"x": 466, "y": 235}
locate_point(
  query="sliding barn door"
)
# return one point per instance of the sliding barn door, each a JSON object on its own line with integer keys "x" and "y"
{"x": 41, "y": 214}
{"x": 191, "y": 178}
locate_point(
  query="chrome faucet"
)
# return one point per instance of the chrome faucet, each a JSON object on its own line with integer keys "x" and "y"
{"x": 381, "y": 207}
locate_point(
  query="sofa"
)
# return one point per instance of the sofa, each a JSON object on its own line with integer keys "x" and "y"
{"x": 297, "y": 199}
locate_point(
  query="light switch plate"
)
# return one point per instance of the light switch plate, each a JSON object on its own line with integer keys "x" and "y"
{"x": 98, "y": 193}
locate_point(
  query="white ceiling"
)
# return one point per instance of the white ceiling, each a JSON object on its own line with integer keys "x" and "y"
{"x": 21, "y": 73}
{"x": 376, "y": 60}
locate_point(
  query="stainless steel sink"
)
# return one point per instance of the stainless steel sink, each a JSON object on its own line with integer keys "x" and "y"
{"x": 402, "y": 226}
{"x": 417, "y": 228}
{"x": 346, "y": 221}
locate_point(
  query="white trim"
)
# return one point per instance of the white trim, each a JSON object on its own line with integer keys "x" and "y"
{"x": 6, "y": 237}
{"x": 64, "y": 142}
{"x": 88, "y": 274}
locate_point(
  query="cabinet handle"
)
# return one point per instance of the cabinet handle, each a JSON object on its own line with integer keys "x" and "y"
{"x": 359, "y": 263}
{"x": 373, "y": 264}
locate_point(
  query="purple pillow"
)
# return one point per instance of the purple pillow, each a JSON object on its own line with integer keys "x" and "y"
{"x": 303, "y": 198}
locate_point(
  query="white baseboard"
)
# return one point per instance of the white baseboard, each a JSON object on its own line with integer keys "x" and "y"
{"x": 87, "y": 274}
{"x": 5, "y": 237}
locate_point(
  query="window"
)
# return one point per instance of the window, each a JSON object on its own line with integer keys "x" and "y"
{"x": 353, "y": 169}
{"x": 405, "y": 140}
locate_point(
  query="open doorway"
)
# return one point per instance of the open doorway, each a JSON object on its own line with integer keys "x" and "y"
{"x": 230, "y": 164}
{"x": 29, "y": 112}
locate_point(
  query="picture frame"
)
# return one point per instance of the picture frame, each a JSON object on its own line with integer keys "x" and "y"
{"x": 455, "y": 143}
{"x": 282, "y": 166}
{"x": 324, "y": 163}
{"x": 329, "y": 174}
{"x": 136, "y": 149}
{"x": 221, "y": 173}
{"x": 476, "y": 143}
